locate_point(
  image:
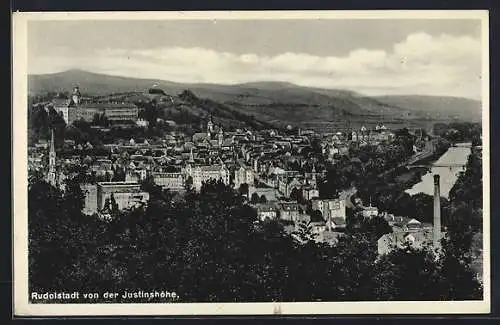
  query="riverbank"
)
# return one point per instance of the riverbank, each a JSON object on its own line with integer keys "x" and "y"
{"x": 407, "y": 177}
{"x": 448, "y": 166}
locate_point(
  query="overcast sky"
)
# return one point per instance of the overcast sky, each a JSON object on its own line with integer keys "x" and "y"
{"x": 374, "y": 57}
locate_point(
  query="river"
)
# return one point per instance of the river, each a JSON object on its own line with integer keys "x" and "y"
{"x": 454, "y": 155}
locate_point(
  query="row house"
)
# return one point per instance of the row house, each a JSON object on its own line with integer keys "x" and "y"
{"x": 243, "y": 175}
{"x": 266, "y": 211}
{"x": 330, "y": 208}
{"x": 287, "y": 184}
{"x": 288, "y": 211}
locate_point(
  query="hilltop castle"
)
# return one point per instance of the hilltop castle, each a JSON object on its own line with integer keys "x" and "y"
{"x": 75, "y": 108}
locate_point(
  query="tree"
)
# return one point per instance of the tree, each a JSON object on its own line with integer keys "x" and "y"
{"x": 316, "y": 215}
{"x": 74, "y": 198}
{"x": 57, "y": 123}
{"x": 243, "y": 189}
{"x": 407, "y": 273}
{"x": 376, "y": 227}
{"x": 254, "y": 198}
{"x": 118, "y": 175}
{"x": 297, "y": 195}
{"x": 96, "y": 119}
{"x": 212, "y": 234}
{"x": 304, "y": 232}
{"x": 316, "y": 147}
{"x": 112, "y": 204}
{"x": 458, "y": 281}
{"x": 262, "y": 199}
{"x": 189, "y": 183}
{"x": 356, "y": 255}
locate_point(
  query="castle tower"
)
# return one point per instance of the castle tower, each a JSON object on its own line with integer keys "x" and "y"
{"x": 76, "y": 95}
{"x": 210, "y": 126}
{"x": 51, "y": 177}
{"x": 437, "y": 213}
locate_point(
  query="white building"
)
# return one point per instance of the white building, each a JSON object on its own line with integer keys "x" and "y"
{"x": 370, "y": 211}
{"x": 125, "y": 194}
{"x": 243, "y": 175}
{"x": 266, "y": 211}
{"x": 330, "y": 208}
{"x": 201, "y": 174}
{"x": 171, "y": 181}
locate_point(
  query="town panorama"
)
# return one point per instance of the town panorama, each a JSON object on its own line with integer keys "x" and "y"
{"x": 152, "y": 191}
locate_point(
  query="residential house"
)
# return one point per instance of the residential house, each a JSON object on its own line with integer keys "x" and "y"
{"x": 288, "y": 211}
{"x": 266, "y": 211}
{"x": 330, "y": 208}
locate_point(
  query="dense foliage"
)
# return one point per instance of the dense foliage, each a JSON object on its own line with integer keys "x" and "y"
{"x": 208, "y": 246}
{"x": 460, "y": 132}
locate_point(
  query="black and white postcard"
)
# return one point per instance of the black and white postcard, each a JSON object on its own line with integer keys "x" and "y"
{"x": 251, "y": 163}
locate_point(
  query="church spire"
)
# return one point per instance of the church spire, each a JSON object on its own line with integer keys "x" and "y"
{"x": 52, "y": 142}
{"x": 314, "y": 180}
{"x": 51, "y": 177}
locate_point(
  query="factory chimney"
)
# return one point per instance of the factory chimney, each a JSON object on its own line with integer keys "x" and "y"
{"x": 437, "y": 213}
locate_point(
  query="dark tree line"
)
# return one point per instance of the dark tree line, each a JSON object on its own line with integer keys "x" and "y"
{"x": 209, "y": 247}
{"x": 460, "y": 132}
{"x": 41, "y": 121}
{"x": 366, "y": 169}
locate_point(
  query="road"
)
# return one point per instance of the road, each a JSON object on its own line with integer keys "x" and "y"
{"x": 346, "y": 195}
{"x": 426, "y": 153}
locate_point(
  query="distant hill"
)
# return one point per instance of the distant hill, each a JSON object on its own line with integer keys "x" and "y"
{"x": 270, "y": 102}
{"x": 438, "y": 106}
{"x": 92, "y": 83}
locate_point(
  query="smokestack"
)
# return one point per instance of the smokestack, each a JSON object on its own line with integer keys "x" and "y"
{"x": 437, "y": 213}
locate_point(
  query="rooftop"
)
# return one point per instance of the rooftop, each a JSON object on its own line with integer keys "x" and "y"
{"x": 114, "y": 184}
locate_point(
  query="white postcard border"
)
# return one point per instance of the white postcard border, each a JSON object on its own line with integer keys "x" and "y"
{"x": 22, "y": 307}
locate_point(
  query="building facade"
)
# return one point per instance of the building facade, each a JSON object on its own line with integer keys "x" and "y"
{"x": 74, "y": 109}
{"x": 288, "y": 211}
{"x": 171, "y": 181}
{"x": 126, "y": 194}
{"x": 201, "y": 174}
{"x": 330, "y": 208}
{"x": 266, "y": 211}
{"x": 243, "y": 175}
{"x": 90, "y": 204}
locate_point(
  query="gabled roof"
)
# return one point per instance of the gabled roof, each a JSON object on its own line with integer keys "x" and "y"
{"x": 289, "y": 206}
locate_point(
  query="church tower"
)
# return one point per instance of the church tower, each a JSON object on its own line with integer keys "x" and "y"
{"x": 76, "y": 95}
{"x": 313, "y": 180}
{"x": 51, "y": 177}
